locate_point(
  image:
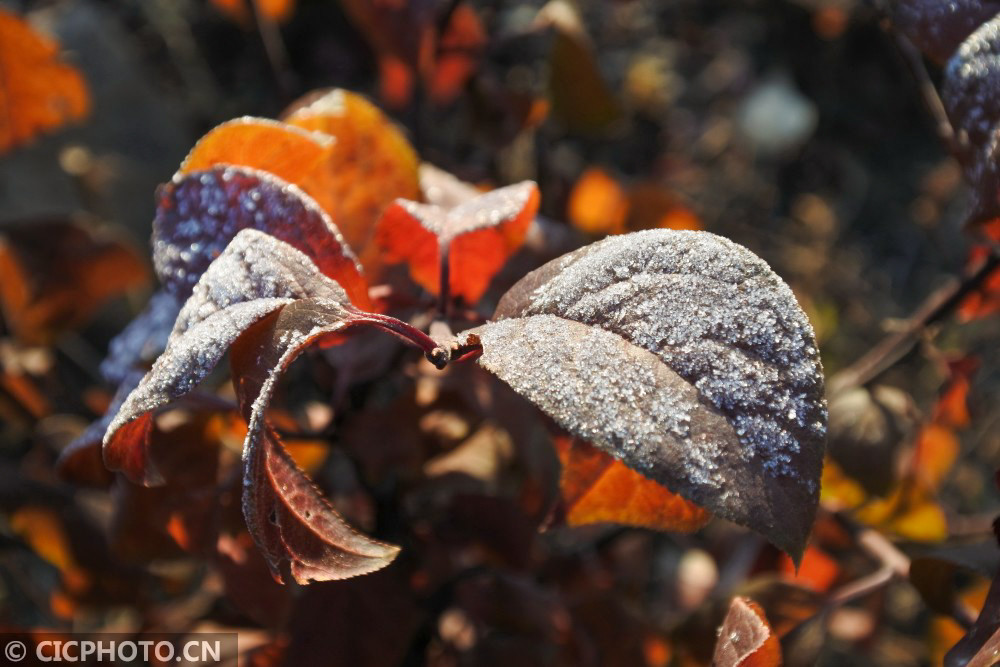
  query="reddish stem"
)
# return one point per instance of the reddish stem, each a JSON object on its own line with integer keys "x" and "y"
{"x": 434, "y": 352}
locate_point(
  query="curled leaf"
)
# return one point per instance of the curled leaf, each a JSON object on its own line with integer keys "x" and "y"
{"x": 254, "y": 276}
{"x": 199, "y": 213}
{"x": 37, "y": 92}
{"x": 683, "y": 355}
{"x": 746, "y": 638}
{"x": 475, "y": 236}
{"x": 293, "y": 524}
{"x": 143, "y": 339}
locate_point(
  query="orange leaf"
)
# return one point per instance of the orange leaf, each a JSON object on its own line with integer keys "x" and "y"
{"x": 476, "y": 235}
{"x": 370, "y": 164}
{"x": 985, "y": 300}
{"x": 818, "y": 570}
{"x": 291, "y": 153}
{"x": 241, "y": 10}
{"x": 37, "y": 92}
{"x": 936, "y": 452}
{"x": 459, "y": 51}
{"x": 596, "y": 487}
{"x": 746, "y": 638}
{"x": 54, "y": 275}
{"x": 952, "y": 408}
{"x": 598, "y": 204}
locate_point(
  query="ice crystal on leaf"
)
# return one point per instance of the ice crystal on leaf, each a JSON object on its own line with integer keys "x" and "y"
{"x": 685, "y": 356}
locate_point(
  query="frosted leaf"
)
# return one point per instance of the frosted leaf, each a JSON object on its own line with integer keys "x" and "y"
{"x": 292, "y": 524}
{"x": 971, "y": 88}
{"x": 715, "y": 316}
{"x": 477, "y": 235}
{"x": 937, "y": 28}
{"x": 199, "y": 213}
{"x": 745, "y": 637}
{"x": 143, "y": 339}
{"x": 256, "y": 275}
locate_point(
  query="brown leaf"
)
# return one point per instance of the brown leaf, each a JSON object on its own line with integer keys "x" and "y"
{"x": 293, "y": 525}
{"x": 37, "y": 92}
{"x": 476, "y": 236}
{"x": 55, "y": 274}
{"x": 255, "y": 275}
{"x": 746, "y": 639}
{"x": 686, "y": 357}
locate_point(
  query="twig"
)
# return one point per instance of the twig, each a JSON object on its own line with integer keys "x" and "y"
{"x": 274, "y": 48}
{"x": 938, "y": 305}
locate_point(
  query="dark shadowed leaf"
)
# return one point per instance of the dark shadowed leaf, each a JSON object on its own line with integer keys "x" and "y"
{"x": 686, "y": 357}
{"x": 55, "y": 274}
{"x": 937, "y": 28}
{"x": 199, "y": 213}
{"x": 294, "y": 526}
{"x": 746, "y": 639}
{"x": 477, "y": 236}
{"x": 256, "y": 275}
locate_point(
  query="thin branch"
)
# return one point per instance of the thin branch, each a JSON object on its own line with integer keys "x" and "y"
{"x": 938, "y": 305}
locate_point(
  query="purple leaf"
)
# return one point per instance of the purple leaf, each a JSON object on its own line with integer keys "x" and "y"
{"x": 683, "y": 355}
{"x": 199, "y": 213}
{"x": 143, "y": 339}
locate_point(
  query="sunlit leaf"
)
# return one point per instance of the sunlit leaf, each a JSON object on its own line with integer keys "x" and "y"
{"x": 686, "y": 357}
{"x": 55, "y": 274}
{"x": 910, "y": 511}
{"x": 980, "y": 647}
{"x": 38, "y": 93}
{"x": 936, "y": 451}
{"x": 595, "y": 487}
{"x": 370, "y": 164}
{"x": 746, "y": 638}
{"x": 817, "y": 571}
{"x": 477, "y": 236}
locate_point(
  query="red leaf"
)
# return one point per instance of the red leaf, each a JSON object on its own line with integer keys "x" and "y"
{"x": 477, "y": 236}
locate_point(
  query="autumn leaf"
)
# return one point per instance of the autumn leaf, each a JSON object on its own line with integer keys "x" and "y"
{"x": 370, "y": 164}
{"x": 595, "y": 487}
{"x": 37, "y": 92}
{"x": 597, "y": 203}
{"x": 746, "y": 638}
{"x": 242, "y": 10}
{"x": 459, "y": 51}
{"x": 56, "y": 274}
{"x": 468, "y": 242}
{"x": 686, "y": 357}
{"x": 938, "y": 29}
{"x": 199, "y": 213}
{"x": 980, "y": 647}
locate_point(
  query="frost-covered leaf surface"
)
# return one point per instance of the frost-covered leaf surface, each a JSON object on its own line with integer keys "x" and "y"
{"x": 683, "y": 355}
{"x": 143, "y": 339}
{"x": 746, "y": 638}
{"x": 936, "y": 27}
{"x": 256, "y": 275}
{"x": 199, "y": 213}
{"x": 297, "y": 530}
{"x": 477, "y": 234}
